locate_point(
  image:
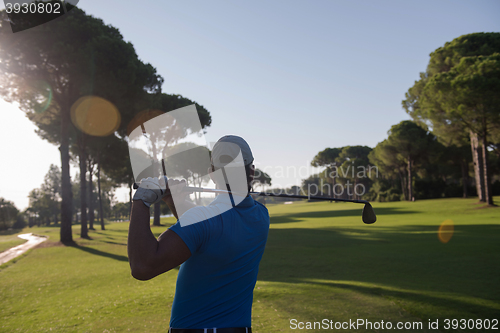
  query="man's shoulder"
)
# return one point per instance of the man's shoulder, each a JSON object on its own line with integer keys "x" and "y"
{"x": 213, "y": 211}
{"x": 197, "y": 214}
{"x": 261, "y": 205}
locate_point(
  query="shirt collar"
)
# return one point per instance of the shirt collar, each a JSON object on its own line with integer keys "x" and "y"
{"x": 223, "y": 199}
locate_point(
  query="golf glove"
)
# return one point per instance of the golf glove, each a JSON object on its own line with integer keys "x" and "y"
{"x": 151, "y": 190}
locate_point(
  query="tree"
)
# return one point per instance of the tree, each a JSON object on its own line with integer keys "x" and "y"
{"x": 391, "y": 167}
{"x": 109, "y": 184}
{"x": 45, "y": 201}
{"x": 120, "y": 211}
{"x": 8, "y": 214}
{"x": 412, "y": 143}
{"x": 458, "y": 157}
{"x": 52, "y": 188}
{"x": 356, "y": 159}
{"x": 407, "y": 146}
{"x": 114, "y": 163}
{"x": 456, "y": 148}
{"x": 40, "y": 206}
{"x": 159, "y": 104}
{"x": 468, "y": 94}
{"x": 104, "y": 185}
{"x": 260, "y": 179}
{"x": 313, "y": 185}
{"x": 189, "y": 161}
{"x": 105, "y": 198}
{"x": 48, "y": 68}
{"x": 459, "y": 90}
{"x": 456, "y": 140}
{"x": 76, "y": 194}
{"x": 327, "y": 158}
{"x": 91, "y": 166}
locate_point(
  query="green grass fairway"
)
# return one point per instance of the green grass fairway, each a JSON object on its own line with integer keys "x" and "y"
{"x": 321, "y": 262}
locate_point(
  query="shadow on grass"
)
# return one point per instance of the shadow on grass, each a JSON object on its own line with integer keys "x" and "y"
{"x": 112, "y": 230}
{"x": 115, "y": 243}
{"x": 456, "y": 305}
{"x": 103, "y": 232}
{"x": 98, "y": 252}
{"x": 410, "y": 259}
{"x": 298, "y": 217}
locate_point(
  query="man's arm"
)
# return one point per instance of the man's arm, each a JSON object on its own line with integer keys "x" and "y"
{"x": 148, "y": 256}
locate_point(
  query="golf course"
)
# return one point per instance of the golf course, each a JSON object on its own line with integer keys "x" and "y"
{"x": 249, "y": 166}
{"x": 321, "y": 262}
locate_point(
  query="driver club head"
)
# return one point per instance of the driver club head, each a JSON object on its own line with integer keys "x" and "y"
{"x": 368, "y": 216}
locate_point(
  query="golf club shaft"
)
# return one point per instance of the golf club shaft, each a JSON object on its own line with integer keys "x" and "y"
{"x": 368, "y": 215}
{"x": 266, "y": 194}
{"x": 281, "y": 195}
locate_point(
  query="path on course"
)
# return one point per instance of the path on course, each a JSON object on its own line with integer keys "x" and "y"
{"x": 20, "y": 249}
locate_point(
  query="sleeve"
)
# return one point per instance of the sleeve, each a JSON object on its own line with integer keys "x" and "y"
{"x": 194, "y": 235}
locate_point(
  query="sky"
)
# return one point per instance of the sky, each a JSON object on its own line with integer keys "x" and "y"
{"x": 291, "y": 77}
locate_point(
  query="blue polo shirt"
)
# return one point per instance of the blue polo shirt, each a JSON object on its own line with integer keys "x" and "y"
{"x": 215, "y": 285}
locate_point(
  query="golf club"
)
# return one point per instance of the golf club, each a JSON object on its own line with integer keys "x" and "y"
{"x": 368, "y": 215}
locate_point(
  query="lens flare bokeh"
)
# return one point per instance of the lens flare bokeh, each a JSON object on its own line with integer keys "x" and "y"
{"x": 95, "y": 116}
{"x": 445, "y": 231}
{"x": 43, "y": 96}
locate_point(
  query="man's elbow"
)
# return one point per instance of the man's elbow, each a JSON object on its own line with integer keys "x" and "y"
{"x": 141, "y": 273}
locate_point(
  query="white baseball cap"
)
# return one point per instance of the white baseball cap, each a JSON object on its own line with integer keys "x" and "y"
{"x": 227, "y": 150}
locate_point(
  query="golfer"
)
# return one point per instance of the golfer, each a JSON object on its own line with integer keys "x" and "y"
{"x": 219, "y": 255}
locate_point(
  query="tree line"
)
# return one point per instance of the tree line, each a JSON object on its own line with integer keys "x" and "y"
{"x": 51, "y": 71}
{"x": 455, "y": 132}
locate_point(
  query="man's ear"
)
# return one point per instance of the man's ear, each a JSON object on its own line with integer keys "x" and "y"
{"x": 252, "y": 171}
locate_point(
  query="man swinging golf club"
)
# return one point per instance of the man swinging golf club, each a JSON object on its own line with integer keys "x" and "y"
{"x": 219, "y": 246}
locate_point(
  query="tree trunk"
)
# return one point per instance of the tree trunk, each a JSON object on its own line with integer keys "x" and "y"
{"x": 83, "y": 191}
{"x": 487, "y": 186}
{"x": 465, "y": 177}
{"x": 157, "y": 212}
{"x": 410, "y": 180}
{"x": 403, "y": 185}
{"x": 100, "y": 196}
{"x": 66, "y": 235}
{"x": 91, "y": 198}
{"x": 91, "y": 168}
{"x": 478, "y": 165}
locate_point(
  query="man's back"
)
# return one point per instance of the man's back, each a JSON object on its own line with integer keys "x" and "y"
{"x": 215, "y": 285}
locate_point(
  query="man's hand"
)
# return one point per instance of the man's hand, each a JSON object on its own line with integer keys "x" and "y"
{"x": 151, "y": 190}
